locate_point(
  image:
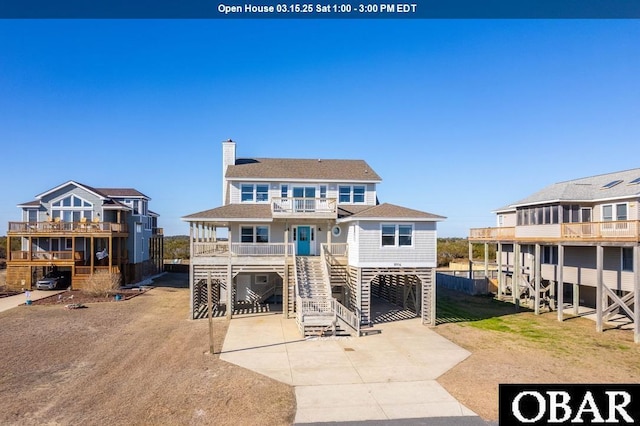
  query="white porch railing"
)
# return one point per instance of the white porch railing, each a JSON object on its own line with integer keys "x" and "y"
{"x": 291, "y": 206}
{"x": 208, "y": 249}
{"x": 350, "y": 318}
{"x": 337, "y": 249}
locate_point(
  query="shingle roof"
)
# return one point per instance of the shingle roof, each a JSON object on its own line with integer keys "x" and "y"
{"x": 233, "y": 212}
{"x": 34, "y": 203}
{"x": 120, "y": 192}
{"x": 391, "y": 211}
{"x": 290, "y": 168}
{"x": 587, "y": 189}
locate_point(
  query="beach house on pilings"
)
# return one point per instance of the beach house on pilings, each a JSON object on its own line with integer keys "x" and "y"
{"x": 309, "y": 234}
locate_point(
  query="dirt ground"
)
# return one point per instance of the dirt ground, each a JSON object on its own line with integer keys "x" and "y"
{"x": 141, "y": 361}
{"x": 133, "y": 362}
{"x": 525, "y": 348}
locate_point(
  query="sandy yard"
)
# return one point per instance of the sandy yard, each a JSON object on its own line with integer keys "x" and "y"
{"x": 139, "y": 361}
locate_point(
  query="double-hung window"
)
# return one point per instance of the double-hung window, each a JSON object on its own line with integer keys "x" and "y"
{"x": 396, "y": 235}
{"x": 254, "y": 234}
{"x": 351, "y": 194}
{"x": 608, "y": 212}
{"x": 250, "y": 193}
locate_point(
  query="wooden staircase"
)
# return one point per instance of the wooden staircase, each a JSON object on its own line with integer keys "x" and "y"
{"x": 319, "y": 314}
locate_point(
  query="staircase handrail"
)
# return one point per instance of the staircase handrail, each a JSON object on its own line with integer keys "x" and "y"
{"x": 295, "y": 288}
{"x": 326, "y": 273}
{"x": 332, "y": 263}
{"x": 349, "y": 318}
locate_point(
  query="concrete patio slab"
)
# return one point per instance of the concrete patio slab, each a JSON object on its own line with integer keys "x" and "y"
{"x": 390, "y": 375}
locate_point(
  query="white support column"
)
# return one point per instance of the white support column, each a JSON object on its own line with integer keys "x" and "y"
{"x": 636, "y": 294}
{"x": 432, "y": 314}
{"x": 470, "y": 260}
{"x": 599, "y": 289}
{"x": 191, "y": 280}
{"x": 285, "y": 284}
{"x": 560, "y": 281}
{"x": 500, "y": 279}
{"x": 486, "y": 260}
{"x": 515, "y": 285}
{"x": 229, "y": 282}
{"x": 537, "y": 271}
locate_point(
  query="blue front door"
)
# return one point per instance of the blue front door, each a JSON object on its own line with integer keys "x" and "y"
{"x": 304, "y": 240}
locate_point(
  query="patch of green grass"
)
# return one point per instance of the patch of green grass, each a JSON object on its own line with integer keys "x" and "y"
{"x": 453, "y": 306}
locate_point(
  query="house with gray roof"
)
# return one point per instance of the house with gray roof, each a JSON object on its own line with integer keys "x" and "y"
{"x": 77, "y": 230}
{"x": 310, "y": 237}
{"x": 573, "y": 245}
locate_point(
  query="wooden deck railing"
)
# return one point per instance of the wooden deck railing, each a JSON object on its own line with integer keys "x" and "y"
{"x": 623, "y": 230}
{"x": 63, "y": 227}
{"x": 304, "y": 206}
{"x": 501, "y": 233}
{"x": 616, "y": 230}
{"x": 45, "y": 255}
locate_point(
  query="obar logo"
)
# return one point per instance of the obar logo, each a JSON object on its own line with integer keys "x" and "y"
{"x": 555, "y": 404}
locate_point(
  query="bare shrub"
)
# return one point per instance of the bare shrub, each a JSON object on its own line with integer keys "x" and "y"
{"x": 102, "y": 283}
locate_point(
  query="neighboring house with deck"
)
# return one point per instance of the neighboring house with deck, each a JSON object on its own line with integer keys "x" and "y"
{"x": 311, "y": 235}
{"x": 575, "y": 241}
{"x": 80, "y": 229}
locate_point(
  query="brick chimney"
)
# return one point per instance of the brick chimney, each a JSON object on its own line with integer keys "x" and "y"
{"x": 228, "y": 159}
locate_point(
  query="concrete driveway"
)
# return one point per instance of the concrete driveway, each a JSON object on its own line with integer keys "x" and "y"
{"x": 386, "y": 376}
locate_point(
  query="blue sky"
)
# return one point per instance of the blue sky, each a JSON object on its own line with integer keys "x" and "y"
{"x": 459, "y": 117}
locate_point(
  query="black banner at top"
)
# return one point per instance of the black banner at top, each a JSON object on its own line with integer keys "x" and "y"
{"x": 320, "y": 9}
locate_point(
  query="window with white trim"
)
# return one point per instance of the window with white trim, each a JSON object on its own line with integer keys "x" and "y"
{"x": 250, "y": 193}
{"x": 71, "y": 209}
{"x": 284, "y": 191}
{"x": 254, "y": 234}
{"x": 396, "y": 235}
{"x": 608, "y": 212}
{"x": 32, "y": 215}
{"x": 348, "y": 194}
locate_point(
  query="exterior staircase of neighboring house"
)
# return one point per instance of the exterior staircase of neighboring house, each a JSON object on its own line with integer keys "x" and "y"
{"x": 527, "y": 290}
{"x": 318, "y": 313}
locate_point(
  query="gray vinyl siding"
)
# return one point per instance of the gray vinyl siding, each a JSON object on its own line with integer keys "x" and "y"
{"x": 540, "y": 231}
{"x": 275, "y": 190}
{"x": 370, "y": 252}
{"x": 508, "y": 219}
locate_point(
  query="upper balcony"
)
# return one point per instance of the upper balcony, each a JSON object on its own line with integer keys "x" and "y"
{"x": 611, "y": 231}
{"x": 51, "y": 228}
{"x": 300, "y": 208}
